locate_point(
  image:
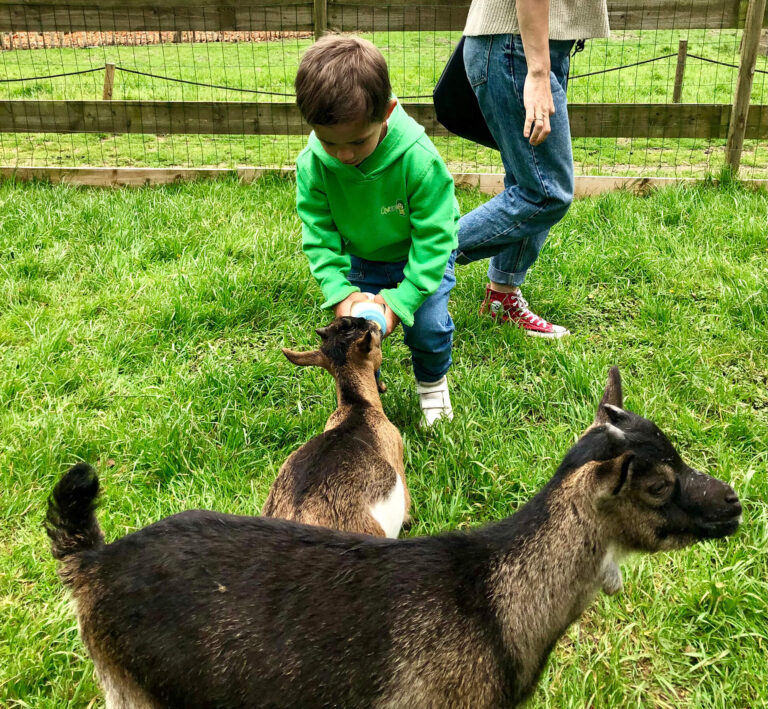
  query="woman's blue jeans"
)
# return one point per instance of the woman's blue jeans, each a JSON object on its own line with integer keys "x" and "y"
{"x": 430, "y": 338}
{"x": 511, "y": 228}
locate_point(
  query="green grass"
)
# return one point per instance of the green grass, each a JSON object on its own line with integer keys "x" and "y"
{"x": 415, "y": 60}
{"x": 141, "y": 331}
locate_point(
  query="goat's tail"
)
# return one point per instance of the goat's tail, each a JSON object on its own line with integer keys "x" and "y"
{"x": 71, "y": 523}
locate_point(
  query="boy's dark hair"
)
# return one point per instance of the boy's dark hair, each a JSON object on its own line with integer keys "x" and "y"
{"x": 342, "y": 79}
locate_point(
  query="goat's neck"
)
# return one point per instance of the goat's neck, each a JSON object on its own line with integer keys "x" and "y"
{"x": 356, "y": 390}
{"x": 357, "y": 387}
{"x": 545, "y": 579}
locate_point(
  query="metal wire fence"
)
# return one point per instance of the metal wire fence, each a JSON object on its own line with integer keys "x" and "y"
{"x": 119, "y": 85}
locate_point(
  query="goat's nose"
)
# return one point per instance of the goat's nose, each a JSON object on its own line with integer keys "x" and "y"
{"x": 731, "y": 497}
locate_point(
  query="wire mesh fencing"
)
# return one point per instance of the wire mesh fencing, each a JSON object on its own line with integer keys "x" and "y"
{"x": 205, "y": 85}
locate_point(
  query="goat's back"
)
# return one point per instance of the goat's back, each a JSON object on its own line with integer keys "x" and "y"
{"x": 205, "y": 609}
{"x": 340, "y": 479}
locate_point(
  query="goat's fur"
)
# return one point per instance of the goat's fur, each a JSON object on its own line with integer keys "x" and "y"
{"x": 351, "y": 477}
{"x": 211, "y": 610}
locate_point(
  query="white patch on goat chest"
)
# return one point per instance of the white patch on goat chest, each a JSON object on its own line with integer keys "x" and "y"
{"x": 390, "y": 512}
{"x": 610, "y": 574}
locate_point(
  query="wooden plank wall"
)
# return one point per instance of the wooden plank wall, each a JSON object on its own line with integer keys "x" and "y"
{"x": 165, "y": 16}
{"x": 346, "y": 15}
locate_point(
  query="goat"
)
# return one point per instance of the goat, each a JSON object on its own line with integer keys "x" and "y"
{"x": 351, "y": 477}
{"x": 204, "y": 609}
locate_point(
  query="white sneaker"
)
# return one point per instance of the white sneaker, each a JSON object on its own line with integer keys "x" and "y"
{"x": 435, "y": 401}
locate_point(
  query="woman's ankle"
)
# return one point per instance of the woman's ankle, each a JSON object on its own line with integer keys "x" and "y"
{"x": 504, "y": 288}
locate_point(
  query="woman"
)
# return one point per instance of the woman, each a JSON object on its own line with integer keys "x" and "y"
{"x": 517, "y": 54}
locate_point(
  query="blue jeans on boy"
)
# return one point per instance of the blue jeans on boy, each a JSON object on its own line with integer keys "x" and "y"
{"x": 511, "y": 228}
{"x": 430, "y": 338}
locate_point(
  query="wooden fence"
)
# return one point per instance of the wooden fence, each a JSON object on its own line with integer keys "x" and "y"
{"x": 735, "y": 122}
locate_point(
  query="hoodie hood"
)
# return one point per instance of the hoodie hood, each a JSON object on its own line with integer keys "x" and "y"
{"x": 402, "y": 133}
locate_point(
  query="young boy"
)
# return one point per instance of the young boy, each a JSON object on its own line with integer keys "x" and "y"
{"x": 377, "y": 206}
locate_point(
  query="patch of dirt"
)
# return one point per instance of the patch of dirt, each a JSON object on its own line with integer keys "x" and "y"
{"x": 48, "y": 40}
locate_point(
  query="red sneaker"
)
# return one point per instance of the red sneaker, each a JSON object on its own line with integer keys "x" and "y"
{"x": 513, "y": 308}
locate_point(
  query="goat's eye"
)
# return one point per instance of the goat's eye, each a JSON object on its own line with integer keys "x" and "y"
{"x": 658, "y": 488}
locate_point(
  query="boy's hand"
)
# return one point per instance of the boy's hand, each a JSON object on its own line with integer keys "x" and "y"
{"x": 389, "y": 315}
{"x": 342, "y": 308}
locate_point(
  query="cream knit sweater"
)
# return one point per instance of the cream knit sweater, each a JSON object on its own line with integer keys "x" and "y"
{"x": 568, "y": 19}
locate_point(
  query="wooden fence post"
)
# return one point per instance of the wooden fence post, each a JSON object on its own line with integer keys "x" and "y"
{"x": 109, "y": 81}
{"x": 682, "y": 55}
{"x": 740, "y": 109}
{"x": 321, "y": 18}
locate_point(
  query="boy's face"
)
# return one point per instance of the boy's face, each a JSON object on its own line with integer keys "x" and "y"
{"x": 354, "y": 141}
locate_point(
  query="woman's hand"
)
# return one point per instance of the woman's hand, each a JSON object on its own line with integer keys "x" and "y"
{"x": 539, "y": 106}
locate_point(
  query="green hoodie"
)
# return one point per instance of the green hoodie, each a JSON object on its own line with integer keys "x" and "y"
{"x": 397, "y": 204}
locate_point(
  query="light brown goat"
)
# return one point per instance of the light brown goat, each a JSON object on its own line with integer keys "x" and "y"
{"x": 351, "y": 477}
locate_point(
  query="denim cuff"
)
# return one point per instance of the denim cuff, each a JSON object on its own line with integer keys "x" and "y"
{"x": 504, "y": 278}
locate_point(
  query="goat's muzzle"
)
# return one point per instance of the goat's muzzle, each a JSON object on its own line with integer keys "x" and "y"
{"x": 713, "y": 504}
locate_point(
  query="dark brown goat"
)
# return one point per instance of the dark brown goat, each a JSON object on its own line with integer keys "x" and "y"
{"x": 351, "y": 477}
{"x": 210, "y": 610}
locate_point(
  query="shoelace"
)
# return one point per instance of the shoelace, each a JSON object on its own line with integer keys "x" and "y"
{"x": 521, "y": 305}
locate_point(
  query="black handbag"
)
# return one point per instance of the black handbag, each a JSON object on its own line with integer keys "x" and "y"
{"x": 456, "y": 106}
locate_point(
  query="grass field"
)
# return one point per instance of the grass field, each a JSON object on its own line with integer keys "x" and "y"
{"x": 141, "y": 331}
{"x": 415, "y": 60}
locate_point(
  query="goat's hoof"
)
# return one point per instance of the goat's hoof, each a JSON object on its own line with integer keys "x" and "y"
{"x": 407, "y": 524}
{"x": 381, "y": 386}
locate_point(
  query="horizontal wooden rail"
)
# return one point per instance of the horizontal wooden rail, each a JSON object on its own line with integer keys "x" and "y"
{"x": 490, "y": 183}
{"x": 236, "y": 118}
{"x": 154, "y": 117}
{"x": 346, "y": 15}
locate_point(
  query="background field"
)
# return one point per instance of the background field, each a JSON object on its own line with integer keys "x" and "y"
{"x": 141, "y": 331}
{"x": 415, "y": 59}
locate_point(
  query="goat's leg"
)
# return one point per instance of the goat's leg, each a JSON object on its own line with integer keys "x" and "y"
{"x": 122, "y": 692}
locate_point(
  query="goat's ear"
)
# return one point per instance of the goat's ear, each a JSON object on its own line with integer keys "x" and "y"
{"x": 615, "y": 435}
{"x": 314, "y": 358}
{"x": 614, "y": 473}
{"x": 610, "y": 415}
{"x": 323, "y": 332}
{"x": 365, "y": 343}
{"x": 612, "y": 401}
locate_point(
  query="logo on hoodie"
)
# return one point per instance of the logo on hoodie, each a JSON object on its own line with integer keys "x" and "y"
{"x": 396, "y": 208}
